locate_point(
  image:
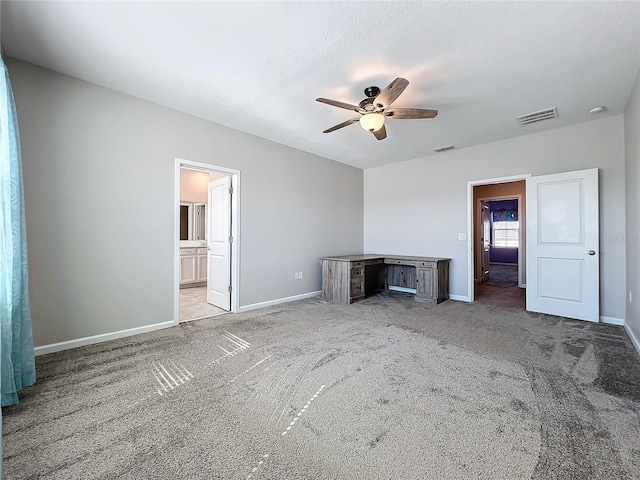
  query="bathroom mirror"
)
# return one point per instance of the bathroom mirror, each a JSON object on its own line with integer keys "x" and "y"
{"x": 199, "y": 221}
{"x": 186, "y": 222}
{"x": 193, "y": 221}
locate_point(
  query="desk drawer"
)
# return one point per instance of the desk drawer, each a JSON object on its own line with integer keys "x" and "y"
{"x": 357, "y": 264}
{"x": 357, "y": 272}
{"x": 398, "y": 261}
{"x": 188, "y": 251}
{"x": 374, "y": 261}
{"x": 426, "y": 264}
{"x": 356, "y": 288}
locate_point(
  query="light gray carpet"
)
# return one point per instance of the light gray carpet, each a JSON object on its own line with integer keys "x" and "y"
{"x": 382, "y": 389}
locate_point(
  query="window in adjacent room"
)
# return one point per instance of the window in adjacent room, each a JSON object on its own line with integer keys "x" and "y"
{"x": 506, "y": 234}
{"x": 505, "y": 226}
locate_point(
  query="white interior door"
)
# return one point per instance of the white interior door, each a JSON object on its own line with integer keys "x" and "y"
{"x": 219, "y": 244}
{"x": 485, "y": 239}
{"x": 563, "y": 271}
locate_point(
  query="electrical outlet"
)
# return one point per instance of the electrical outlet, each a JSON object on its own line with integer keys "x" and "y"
{"x": 295, "y": 275}
{"x": 630, "y": 297}
{"x": 462, "y": 236}
{"x": 300, "y": 275}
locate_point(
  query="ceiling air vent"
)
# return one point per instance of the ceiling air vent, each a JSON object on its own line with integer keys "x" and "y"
{"x": 539, "y": 116}
{"x": 444, "y": 149}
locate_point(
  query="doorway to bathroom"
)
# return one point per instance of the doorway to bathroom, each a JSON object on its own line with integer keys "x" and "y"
{"x": 206, "y": 237}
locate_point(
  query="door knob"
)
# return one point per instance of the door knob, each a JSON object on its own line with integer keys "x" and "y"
{"x": 590, "y": 252}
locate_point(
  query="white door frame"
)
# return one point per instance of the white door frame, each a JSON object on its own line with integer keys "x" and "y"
{"x": 235, "y": 232}
{"x": 470, "y": 230}
{"x": 521, "y": 238}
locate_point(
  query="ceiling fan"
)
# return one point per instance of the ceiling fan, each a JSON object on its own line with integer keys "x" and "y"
{"x": 375, "y": 109}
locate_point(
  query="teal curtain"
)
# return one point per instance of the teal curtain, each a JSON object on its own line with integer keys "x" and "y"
{"x": 17, "y": 361}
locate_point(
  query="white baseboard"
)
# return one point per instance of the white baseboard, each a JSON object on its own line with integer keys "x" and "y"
{"x": 81, "y": 342}
{"x": 256, "y": 306}
{"x": 459, "y": 298}
{"x": 634, "y": 339}
{"x": 612, "y": 320}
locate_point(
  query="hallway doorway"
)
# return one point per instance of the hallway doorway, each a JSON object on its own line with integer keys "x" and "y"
{"x": 497, "y": 228}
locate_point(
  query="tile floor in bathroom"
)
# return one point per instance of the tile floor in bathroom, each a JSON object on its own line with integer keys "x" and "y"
{"x": 193, "y": 304}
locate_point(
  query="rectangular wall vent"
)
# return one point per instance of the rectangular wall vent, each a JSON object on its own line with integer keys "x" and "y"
{"x": 444, "y": 149}
{"x": 539, "y": 116}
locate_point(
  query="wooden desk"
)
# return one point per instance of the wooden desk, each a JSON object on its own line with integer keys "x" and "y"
{"x": 348, "y": 278}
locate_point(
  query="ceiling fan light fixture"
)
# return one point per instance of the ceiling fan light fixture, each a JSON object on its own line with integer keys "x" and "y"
{"x": 372, "y": 122}
{"x": 375, "y": 108}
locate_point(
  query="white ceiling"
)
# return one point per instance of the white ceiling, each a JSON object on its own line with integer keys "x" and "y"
{"x": 258, "y": 66}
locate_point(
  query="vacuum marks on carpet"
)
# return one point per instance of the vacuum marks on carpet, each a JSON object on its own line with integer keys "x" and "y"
{"x": 169, "y": 375}
{"x": 170, "y": 378}
{"x": 234, "y": 346}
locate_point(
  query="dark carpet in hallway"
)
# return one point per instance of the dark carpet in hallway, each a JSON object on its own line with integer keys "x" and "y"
{"x": 503, "y": 275}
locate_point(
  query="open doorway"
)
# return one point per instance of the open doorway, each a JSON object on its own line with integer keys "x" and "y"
{"x": 498, "y": 244}
{"x": 206, "y": 234}
{"x": 497, "y": 237}
{"x": 560, "y": 268}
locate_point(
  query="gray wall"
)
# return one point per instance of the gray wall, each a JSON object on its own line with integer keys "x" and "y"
{"x": 99, "y": 193}
{"x": 419, "y": 206}
{"x": 632, "y": 177}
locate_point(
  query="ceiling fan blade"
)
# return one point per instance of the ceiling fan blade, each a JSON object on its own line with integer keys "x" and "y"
{"x": 343, "y": 124}
{"x": 335, "y": 103}
{"x": 381, "y": 133}
{"x": 389, "y": 94}
{"x": 410, "y": 113}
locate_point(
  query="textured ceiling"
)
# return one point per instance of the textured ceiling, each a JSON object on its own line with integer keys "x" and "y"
{"x": 258, "y": 66}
